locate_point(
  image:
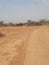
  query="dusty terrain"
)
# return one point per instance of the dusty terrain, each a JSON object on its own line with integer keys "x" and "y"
{"x": 26, "y": 45}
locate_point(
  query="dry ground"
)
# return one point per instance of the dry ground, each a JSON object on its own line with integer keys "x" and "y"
{"x": 26, "y": 45}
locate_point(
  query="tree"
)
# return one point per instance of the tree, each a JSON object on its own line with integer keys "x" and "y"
{"x": 42, "y": 21}
{"x": 10, "y": 24}
{"x": 29, "y": 21}
{"x": 1, "y": 23}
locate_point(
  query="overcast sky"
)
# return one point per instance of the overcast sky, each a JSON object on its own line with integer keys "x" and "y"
{"x": 22, "y": 10}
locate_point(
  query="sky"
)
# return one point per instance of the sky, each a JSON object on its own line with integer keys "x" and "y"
{"x": 23, "y": 10}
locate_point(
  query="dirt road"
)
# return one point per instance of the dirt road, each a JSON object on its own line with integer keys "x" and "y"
{"x": 38, "y": 47}
{"x": 25, "y": 46}
{"x": 13, "y": 45}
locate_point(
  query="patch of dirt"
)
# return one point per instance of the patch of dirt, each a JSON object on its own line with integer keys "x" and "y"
{"x": 2, "y": 35}
{"x": 18, "y": 60}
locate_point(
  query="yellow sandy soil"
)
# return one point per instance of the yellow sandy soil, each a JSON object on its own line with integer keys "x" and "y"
{"x": 26, "y": 45}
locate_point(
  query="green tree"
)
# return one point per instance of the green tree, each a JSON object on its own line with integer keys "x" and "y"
{"x": 29, "y": 21}
{"x": 1, "y": 23}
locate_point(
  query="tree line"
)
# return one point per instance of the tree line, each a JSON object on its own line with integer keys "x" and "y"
{"x": 28, "y": 23}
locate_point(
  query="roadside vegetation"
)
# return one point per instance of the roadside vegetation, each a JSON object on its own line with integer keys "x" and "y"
{"x": 28, "y": 23}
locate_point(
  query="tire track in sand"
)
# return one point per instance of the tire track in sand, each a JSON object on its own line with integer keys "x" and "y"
{"x": 38, "y": 47}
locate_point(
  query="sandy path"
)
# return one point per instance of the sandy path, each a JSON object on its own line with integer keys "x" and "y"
{"x": 13, "y": 45}
{"x": 38, "y": 47}
{"x": 25, "y": 46}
